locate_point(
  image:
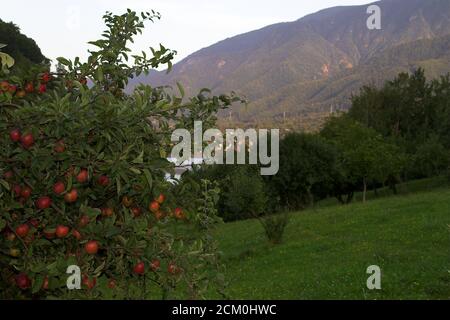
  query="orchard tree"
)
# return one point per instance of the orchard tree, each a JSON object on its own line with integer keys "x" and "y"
{"x": 365, "y": 156}
{"x": 403, "y": 107}
{"x": 82, "y": 179}
{"x": 431, "y": 158}
{"x": 307, "y": 170}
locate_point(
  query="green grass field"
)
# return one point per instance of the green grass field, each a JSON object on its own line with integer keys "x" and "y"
{"x": 327, "y": 249}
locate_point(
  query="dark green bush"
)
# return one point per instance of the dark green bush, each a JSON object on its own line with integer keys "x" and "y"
{"x": 274, "y": 226}
{"x": 243, "y": 192}
{"x": 431, "y": 159}
{"x": 243, "y": 195}
{"x": 307, "y": 167}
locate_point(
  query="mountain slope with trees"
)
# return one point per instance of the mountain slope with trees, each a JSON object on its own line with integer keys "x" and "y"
{"x": 24, "y": 49}
{"x": 290, "y": 71}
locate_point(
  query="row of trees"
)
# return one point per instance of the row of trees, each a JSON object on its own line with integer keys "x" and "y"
{"x": 413, "y": 113}
{"x": 391, "y": 134}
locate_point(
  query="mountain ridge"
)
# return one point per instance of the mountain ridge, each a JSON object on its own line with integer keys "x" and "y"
{"x": 312, "y": 64}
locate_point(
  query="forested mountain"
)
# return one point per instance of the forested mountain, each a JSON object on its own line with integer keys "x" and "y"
{"x": 22, "y": 48}
{"x": 293, "y": 73}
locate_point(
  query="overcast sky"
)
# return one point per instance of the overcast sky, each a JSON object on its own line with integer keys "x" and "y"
{"x": 62, "y": 27}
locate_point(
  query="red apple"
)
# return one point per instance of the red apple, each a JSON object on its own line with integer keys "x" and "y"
{"x": 82, "y": 176}
{"x": 17, "y": 190}
{"x": 84, "y": 221}
{"x": 91, "y": 247}
{"x": 179, "y": 214}
{"x": 15, "y": 135}
{"x": 155, "y": 265}
{"x": 43, "y": 203}
{"x": 160, "y": 198}
{"x": 103, "y": 180}
{"x": 139, "y": 268}
{"x": 71, "y": 196}
{"x": 154, "y": 206}
{"x": 22, "y": 230}
{"x": 22, "y": 281}
{"x": 27, "y": 141}
{"x": 107, "y": 212}
{"x": 60, "y": 147}
{"x": 8, "y": 175}
{"x": 76, "y": 234}
{"x": 46, "y": 77}
{"x": 59, "y": 187}
{"x": 42, "y": 88}
{"x": 61, "y": 231}
{"x": 136, "y": 211}
{"x": 26, "y": 192}
{"x": 29, "y": 87}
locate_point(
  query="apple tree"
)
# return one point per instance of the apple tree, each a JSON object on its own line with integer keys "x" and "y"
{"x": 82, "y": 178}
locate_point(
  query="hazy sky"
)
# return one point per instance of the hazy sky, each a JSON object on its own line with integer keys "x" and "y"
{"x": 62, "y": 27}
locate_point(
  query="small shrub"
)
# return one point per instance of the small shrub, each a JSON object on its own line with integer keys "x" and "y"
{"x": 243, "y": 193}
{"x": 274, "y": 226}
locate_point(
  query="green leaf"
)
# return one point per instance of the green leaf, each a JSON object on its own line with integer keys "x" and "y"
{"x": 119, "y": 186}
{"x": 5, "y": 184}
{"x": 139, "y": 159}
{"x": 37, "y": 283}
{"x": 113, "y": 231}
{"x": 181, "y": 89}
{"x": 69, "y": 183}
{"x": 39, "y": 267}
{"x": 64, "y": 61}
{"x": 162, "y": 152}
{"x": 100, "y": 74}
{"x": 148, "y": 176}
{"x": 6, "y": 60}
{"x": 52, "y": 267}
{"x": 135, "y": 170}
{"x": 99, "y": 269}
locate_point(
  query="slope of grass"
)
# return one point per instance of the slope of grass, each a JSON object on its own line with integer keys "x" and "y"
{"x": 326, "y": 250}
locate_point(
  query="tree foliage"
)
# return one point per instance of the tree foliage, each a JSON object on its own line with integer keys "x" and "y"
{"x": 364, "y": 156}
{"x": 243, "y": 193}
{"x": 307, "y": 166}
{"x": 92, "y": 160}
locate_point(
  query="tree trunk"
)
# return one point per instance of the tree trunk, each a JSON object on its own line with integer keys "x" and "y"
{"x": 350, "y": 197}
{"x": 393, "y": 187}
{"x": 365, "y": 190}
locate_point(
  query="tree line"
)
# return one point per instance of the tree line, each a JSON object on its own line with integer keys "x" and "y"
{"x": 391, "y": 134}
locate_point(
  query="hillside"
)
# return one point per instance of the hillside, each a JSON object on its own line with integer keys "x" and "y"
{"x": 291, "y": 72}
{"x": 24, "y": 49}
{"x": 327, "y": 250}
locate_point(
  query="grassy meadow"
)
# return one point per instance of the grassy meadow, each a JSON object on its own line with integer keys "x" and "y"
{"x": 327, "y": 249}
